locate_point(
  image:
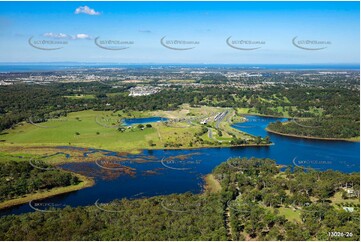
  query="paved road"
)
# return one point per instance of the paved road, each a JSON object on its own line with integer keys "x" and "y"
{"x": 210, "y": 134}
{"x": 220, "y": 118}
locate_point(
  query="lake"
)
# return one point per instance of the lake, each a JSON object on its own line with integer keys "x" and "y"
{"x": 132, "y": 121}
{"x": 161, "y": 172}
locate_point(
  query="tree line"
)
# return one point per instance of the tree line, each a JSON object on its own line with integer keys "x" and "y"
{"x": 339, "y": 107}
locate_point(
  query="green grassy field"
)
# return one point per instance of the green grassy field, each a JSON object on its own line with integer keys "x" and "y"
{"x": 337, "y": 198}
{"x": 99, "y": 129}
{"x": 289, "y": 213}
{"x": 83, "y": 129}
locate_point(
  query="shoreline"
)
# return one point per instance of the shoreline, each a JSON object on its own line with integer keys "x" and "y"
{"x": 310, "y": 137}
{"x": 80, "y": 149}
{"x": 263, "y": 115}
{"x": 86, "y": 182}
{"x": 299, "y": 136}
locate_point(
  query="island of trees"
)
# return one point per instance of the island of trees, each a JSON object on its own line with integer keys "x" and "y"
{"x": 22, "y": 182}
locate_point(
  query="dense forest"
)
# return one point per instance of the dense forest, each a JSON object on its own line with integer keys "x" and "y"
{"x": 21, "y": 178}
{"x": 340, "y": 117}
{"x": 249, "y": 206}
{"x": 142, "y": 219}
{"x": 262, "y": 200}
{"x": 335, "y": 127}
{"x": 328, "y": 107}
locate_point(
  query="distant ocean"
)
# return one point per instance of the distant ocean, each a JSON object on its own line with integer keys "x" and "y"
{"x": 8, "y": 67}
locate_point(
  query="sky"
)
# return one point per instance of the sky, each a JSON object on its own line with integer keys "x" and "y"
{"x": 181, "y": 32}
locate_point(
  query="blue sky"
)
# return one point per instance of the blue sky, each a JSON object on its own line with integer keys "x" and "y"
{"x": 275, "y": 24}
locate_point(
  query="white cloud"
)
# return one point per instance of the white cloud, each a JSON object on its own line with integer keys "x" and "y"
{"x": 86, "y": 10}
{"x": 66, "y": 36}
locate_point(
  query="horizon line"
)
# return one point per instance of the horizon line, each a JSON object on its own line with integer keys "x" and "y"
{"x": 162, "y": 63}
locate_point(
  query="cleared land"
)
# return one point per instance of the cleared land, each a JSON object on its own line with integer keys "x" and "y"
{"x": 212, "y": 185}
{"x": 104, "y": 130}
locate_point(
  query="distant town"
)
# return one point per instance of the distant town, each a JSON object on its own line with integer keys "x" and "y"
{"x": 142, "y": 82}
